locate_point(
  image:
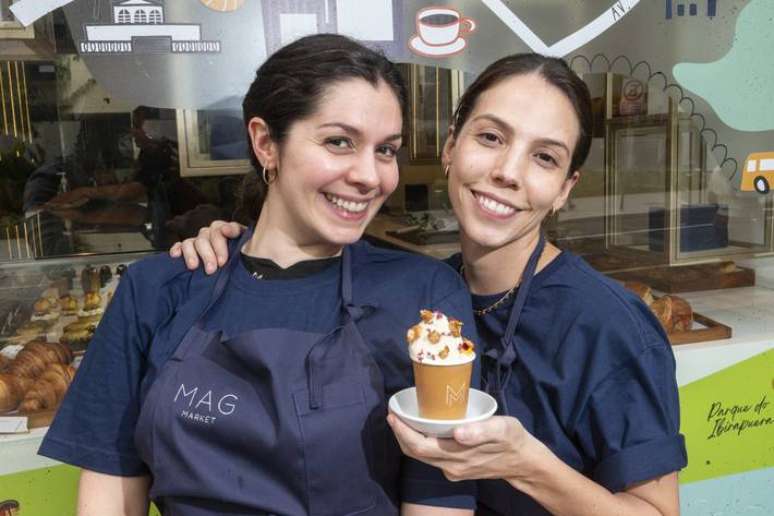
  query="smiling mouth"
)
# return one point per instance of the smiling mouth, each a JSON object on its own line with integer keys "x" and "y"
{"x": 349, "y": 206}
{"x": 494, "y": 206}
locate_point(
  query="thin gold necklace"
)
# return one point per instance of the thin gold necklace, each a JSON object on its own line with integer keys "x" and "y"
{"x": 497, "y": 304}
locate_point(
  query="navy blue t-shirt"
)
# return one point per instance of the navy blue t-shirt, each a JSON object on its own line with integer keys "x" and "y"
{"x": 158, "y": 300}
{"x": 594, "y": 380}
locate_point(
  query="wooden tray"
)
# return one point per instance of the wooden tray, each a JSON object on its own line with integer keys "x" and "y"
{"x": 40, "y": 418}
{"x": 712, "y": 330}
{"x": 689, "y": 278}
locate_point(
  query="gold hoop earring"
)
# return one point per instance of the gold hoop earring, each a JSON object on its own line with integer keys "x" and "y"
{"x": 267, "y": 176}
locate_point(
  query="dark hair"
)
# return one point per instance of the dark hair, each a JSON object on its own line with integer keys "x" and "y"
{"x": 555, "y": 72}
{"x": 289, "y": 85}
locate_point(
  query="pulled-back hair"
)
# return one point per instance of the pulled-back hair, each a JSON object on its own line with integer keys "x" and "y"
{"x": 290, "y": 84}
{"x": 555, "y": 72}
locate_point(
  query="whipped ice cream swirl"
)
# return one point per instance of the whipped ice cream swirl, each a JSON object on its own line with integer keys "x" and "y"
{"x": 438, "y": 340}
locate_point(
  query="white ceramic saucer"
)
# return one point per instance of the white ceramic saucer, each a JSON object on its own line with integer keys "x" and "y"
{"x": 481, "y": 406}
{"x": 422, "y": 48}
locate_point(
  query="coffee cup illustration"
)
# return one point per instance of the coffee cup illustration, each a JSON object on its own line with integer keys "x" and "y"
{"x": 441, "y": 32}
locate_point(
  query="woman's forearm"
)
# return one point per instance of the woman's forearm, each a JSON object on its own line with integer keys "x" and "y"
{"x": 565, "y": 492}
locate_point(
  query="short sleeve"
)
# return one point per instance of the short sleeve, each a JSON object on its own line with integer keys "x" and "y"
{"x": 94, "y": 427}
{"x": 426, "y": 485}
{"x": 630, "y": 427}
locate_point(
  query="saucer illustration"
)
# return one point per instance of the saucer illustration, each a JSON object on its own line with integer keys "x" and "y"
{"x": 420, "y": 47}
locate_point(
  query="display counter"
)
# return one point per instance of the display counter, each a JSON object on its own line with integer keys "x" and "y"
{"x": 54, "y": 302}
{"x": 394, "y": 231}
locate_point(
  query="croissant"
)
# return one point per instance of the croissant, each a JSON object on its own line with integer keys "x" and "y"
{"x": 32, "y": 360}
{"x": 682, "y": 314}
{"x": 53, "y": 351}
{"x": 28, "y": 365}
{"x": 662, "y": 308}
{"x": 12, "y": 390}
{"x": 49, "y": 389}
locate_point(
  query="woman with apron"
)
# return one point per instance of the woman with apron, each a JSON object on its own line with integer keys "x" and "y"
{"x": 588, "y": 418}
{"x": 262, "y": 389}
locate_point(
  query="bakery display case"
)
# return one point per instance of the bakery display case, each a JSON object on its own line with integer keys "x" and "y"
{"x": 656, "y": 201}
{"x": 659, "y": 203}
{"x": 49, "y": 310}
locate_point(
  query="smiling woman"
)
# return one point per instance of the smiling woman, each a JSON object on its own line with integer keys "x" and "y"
{"x": 583, "y": 373}
{"x": 263, "y": 390}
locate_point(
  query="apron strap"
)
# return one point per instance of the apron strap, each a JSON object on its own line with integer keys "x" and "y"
{"x": 313, "y": 368}
{"x": 223, "y": 276}
{"x": 501, "y": 359}
{"x": 355, "y": 312}
{"x": 351, "y": 313}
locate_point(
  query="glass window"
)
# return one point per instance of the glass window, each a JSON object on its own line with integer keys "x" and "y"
{"x": 140, "y": 17}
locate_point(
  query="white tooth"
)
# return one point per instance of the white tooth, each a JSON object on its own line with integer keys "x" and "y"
{"x": 494, "y": 206}
{"x": 352, "y": 206}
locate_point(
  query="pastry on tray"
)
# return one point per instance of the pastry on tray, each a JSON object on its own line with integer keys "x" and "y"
{"x": 45, "y": 309}
{"x": 68, "y": 304}
{"x": 673, "y": 312}
{"x": 48, "y": 389}
{"x": 642, "y": 290}
{"x": 92, "y": 300}
{"x": 77, "y": 335}
{"x": 34, "y": 328}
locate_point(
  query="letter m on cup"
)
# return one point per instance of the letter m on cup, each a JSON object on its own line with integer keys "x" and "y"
{"x": 455, "y": 396}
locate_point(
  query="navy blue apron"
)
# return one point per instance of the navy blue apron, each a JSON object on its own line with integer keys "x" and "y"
{"x": 497, "y": 364}
{"x": 270, "y": 421}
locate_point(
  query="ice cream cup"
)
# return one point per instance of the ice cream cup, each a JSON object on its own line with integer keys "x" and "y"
{"x": 442, "y": 390}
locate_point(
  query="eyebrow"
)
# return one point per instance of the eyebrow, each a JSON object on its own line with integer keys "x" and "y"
{"x": 357, "y": 132}
{"x": 509, "y": 130}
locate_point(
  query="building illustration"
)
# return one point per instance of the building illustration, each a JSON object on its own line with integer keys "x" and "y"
{"x": 139, "y": 26}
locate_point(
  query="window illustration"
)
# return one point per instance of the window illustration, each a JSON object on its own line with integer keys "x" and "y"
{"x": 124, "y": 16}
{"x": 140, "y": 16}
{"x": 679, "y": 8}
{"x": 155, "y": 16}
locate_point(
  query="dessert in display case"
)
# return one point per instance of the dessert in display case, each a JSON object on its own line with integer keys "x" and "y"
{"x": 49, "y": 310}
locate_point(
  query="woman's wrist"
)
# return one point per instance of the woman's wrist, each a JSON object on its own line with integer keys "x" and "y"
{"x": 534, "y": 466}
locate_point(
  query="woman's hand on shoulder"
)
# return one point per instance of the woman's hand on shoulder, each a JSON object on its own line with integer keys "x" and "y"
{"x": 210, "y": 245}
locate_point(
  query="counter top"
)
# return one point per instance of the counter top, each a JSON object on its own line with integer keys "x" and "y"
{"x": 378, "y": 228}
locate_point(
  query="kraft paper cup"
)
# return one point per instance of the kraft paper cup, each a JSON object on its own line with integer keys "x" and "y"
{"x": 442, "y": 390}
